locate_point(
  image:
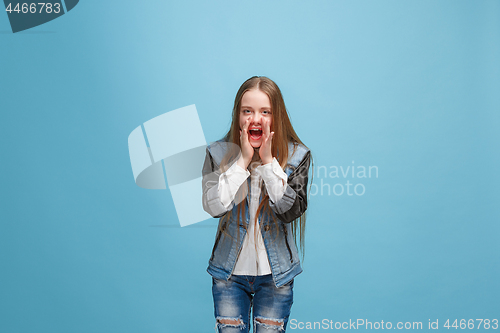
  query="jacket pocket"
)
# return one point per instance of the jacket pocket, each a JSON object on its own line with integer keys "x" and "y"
{"x": 286, "y": 242}
{"x": 215, "y": 245}
{"x": 219, "y": 234}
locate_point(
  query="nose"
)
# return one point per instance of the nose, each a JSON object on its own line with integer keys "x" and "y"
{"x": 257, "y": 118}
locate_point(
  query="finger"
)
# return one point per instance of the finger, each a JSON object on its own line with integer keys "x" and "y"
{"x": 266, "y": 128}
{"x": 269, "y": 140}
{"x": 243, "y": 131}
{"x": 244, "y": 137}
{"x": 247, "y": 123}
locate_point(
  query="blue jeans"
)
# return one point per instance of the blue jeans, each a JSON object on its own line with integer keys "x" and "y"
{"x": 234, "y": 299}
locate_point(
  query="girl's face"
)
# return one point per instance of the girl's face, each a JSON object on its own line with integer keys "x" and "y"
{"x": 255, "y": 104}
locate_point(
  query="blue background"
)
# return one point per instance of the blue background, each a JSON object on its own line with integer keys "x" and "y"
{"x": 408, "y": 86}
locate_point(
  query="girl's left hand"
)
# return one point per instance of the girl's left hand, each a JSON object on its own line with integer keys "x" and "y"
{"x": 265, "y": 147}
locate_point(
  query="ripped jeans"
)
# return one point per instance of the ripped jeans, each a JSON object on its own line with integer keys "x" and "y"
{"x": 235, "y": 298}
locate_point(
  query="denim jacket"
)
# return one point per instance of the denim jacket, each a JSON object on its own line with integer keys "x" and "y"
{"x": 281, "y": 249}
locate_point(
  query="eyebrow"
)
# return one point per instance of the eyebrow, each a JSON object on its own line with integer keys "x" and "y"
{"x": 249, "y": 107}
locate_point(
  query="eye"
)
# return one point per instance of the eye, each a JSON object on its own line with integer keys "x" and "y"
{"x": 266, "y": 112}
{"x": 246, "y": 111}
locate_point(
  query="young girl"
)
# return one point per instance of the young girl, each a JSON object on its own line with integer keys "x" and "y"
{"x": 255, "y": 181}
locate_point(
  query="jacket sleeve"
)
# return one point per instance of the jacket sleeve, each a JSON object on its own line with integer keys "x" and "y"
{"x": 294, "y": 201}
{"x": 212, "y": 202}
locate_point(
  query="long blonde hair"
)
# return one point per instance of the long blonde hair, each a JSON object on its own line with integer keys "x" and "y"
{"x": 283, "y": 133}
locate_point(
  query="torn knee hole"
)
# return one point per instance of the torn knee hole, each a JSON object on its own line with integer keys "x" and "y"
{"x": 270, "y": 322}
{"x": 231, "y": 322}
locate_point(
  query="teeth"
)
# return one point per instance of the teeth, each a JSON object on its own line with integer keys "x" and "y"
{"x": 255, "y": 131}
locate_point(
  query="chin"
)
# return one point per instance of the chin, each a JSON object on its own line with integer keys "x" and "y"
{"x": 256, "y": 144}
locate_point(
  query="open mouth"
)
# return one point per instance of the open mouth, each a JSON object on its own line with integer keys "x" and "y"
{"x": 255, "y": 134}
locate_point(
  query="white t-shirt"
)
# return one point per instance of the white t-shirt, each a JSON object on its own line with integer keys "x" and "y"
{"x": 253, "y": 259}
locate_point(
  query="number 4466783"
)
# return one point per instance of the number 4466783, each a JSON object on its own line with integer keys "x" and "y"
{"x": 35, "y": 8}
{"x": 471, "y": 324}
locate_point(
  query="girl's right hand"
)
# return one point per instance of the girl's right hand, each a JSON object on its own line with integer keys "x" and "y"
{"x": 246, "y": 148}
